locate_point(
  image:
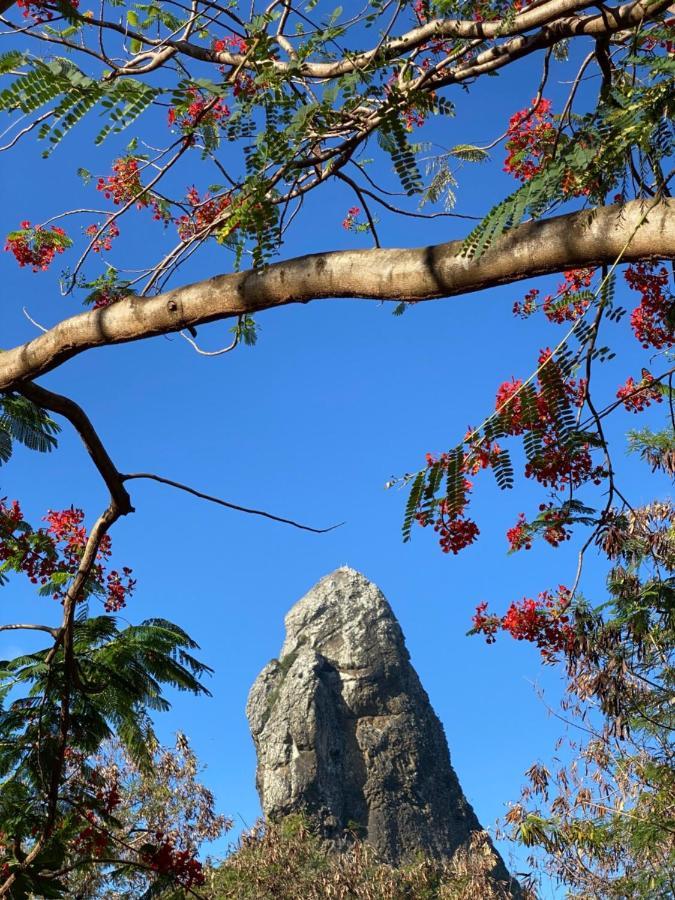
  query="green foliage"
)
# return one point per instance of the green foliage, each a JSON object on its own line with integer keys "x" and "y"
{"x": 124, "y": 101}
{"x": 106, "y": 685}
{"x": 23, "y": 421}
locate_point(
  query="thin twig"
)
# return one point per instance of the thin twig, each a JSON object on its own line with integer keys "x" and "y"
{"x": 245, "y": 509}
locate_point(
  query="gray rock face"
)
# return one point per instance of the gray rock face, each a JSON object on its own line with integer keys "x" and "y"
{"x": 344, "y": 730}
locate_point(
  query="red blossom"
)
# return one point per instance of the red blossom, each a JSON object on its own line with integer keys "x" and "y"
{"x": 36, "y": 246}
{"x": 125, "y": 184}
{"x": 349, "y": 221}
{"x": 177, "y": 864}
{"x": 568, "y": 304}
{"x": 244, "y": 85}
{"x": 104, "y": 240}
{"x": 205, "y": 211}
{"x": 528, "y": 304}
{"x": 638, "y": 396}
{"x": 559, "y": 462}
{"x": 488, "y": 625}
{"x": 42, "y": 10}
{"x": 531, "y": 136}
{"x": 57, "y": 549}
{"x": 200, "y": 111}
{"x": 231, "y": 42}
{"x": 543, "y": 622}
{"x": 651, "y": 319}
{"x": 519, "y": 536}
{"x": 480, "y": 454}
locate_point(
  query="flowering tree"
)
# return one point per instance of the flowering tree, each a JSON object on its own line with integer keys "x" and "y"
{"x": 301, "y": 97}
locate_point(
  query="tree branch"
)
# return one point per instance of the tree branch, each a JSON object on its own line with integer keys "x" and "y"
{"x": 244, "y": 509}
{"x": 21, "y": 627}
{"x": 630, "y": 232}
{"x": 77, "y": 417}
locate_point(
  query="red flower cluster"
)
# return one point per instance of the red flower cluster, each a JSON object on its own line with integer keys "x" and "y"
{"x": 552, "y": 522}
{"x": 199, "y": 111}
{"x": 638, "y": 396}
{"x": 555, "y": 522}
{"x": 455, "y": 530}
{"x": 177, "y": 864}
{"x": 36, "y": 246}
{"x": 481, "y": 454}
{"x": 349, "y": 222}
{"x": 125, "y": 185}
{"x": 420, "y": 8}
{"x": 567, "y": 305}
{"x": 559, "y": 463}
{"x": 531, "y": 136}
{"x": 104, "y": 240}
{"x": 106, "y": 296}
{"x": 205, "y": 211}
{"x": 650, "y": 320}
{"x": 543, "y": 622}
{"x": 43, "y": 553}
{"x": 520, "y": 535}
{"x": 527, "y": 306}
{"x": 42, "y": 10}
{"x": 412, "y": 119}
{"x": 649, "y": 43}
{"x": 232, "y": 43}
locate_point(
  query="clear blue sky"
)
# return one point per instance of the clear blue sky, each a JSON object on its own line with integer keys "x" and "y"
{"x": 336, "y": 398}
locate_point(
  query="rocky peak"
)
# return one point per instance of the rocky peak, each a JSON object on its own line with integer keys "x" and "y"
{"x": 344, "y": 730}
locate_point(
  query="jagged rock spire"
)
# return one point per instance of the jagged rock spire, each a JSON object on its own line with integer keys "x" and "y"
{"x": 345, "y": 732}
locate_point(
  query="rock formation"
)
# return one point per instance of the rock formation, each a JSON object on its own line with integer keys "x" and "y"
{"x": 345, "y": 732}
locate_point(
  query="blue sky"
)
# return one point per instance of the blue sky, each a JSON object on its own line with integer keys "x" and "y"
{"x": 336, "y": 398}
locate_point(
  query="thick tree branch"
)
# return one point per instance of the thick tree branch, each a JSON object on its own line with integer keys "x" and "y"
{"x": 588, "y": 238}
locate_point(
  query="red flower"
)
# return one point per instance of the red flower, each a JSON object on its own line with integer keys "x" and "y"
{"x": 543, "y": 622}
{"x": 104, "y": 240}
{"x": 531, "y": 136}
{"x": 42, "y": 10}
{"x": 519, "y": 536}
{"x": 636, "y": 397}
{"x": 650, "y": 320}
{"x": 572, "y": 299}
{"x": 36, "y": 246}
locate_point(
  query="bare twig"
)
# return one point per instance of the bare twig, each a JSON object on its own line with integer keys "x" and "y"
{"x": 245, "y": 509}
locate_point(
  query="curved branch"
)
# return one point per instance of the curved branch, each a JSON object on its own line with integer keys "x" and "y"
{"x": 77, "y": 417}
{"x": 27, "y": 627}
{"x": 583, "y": 239}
